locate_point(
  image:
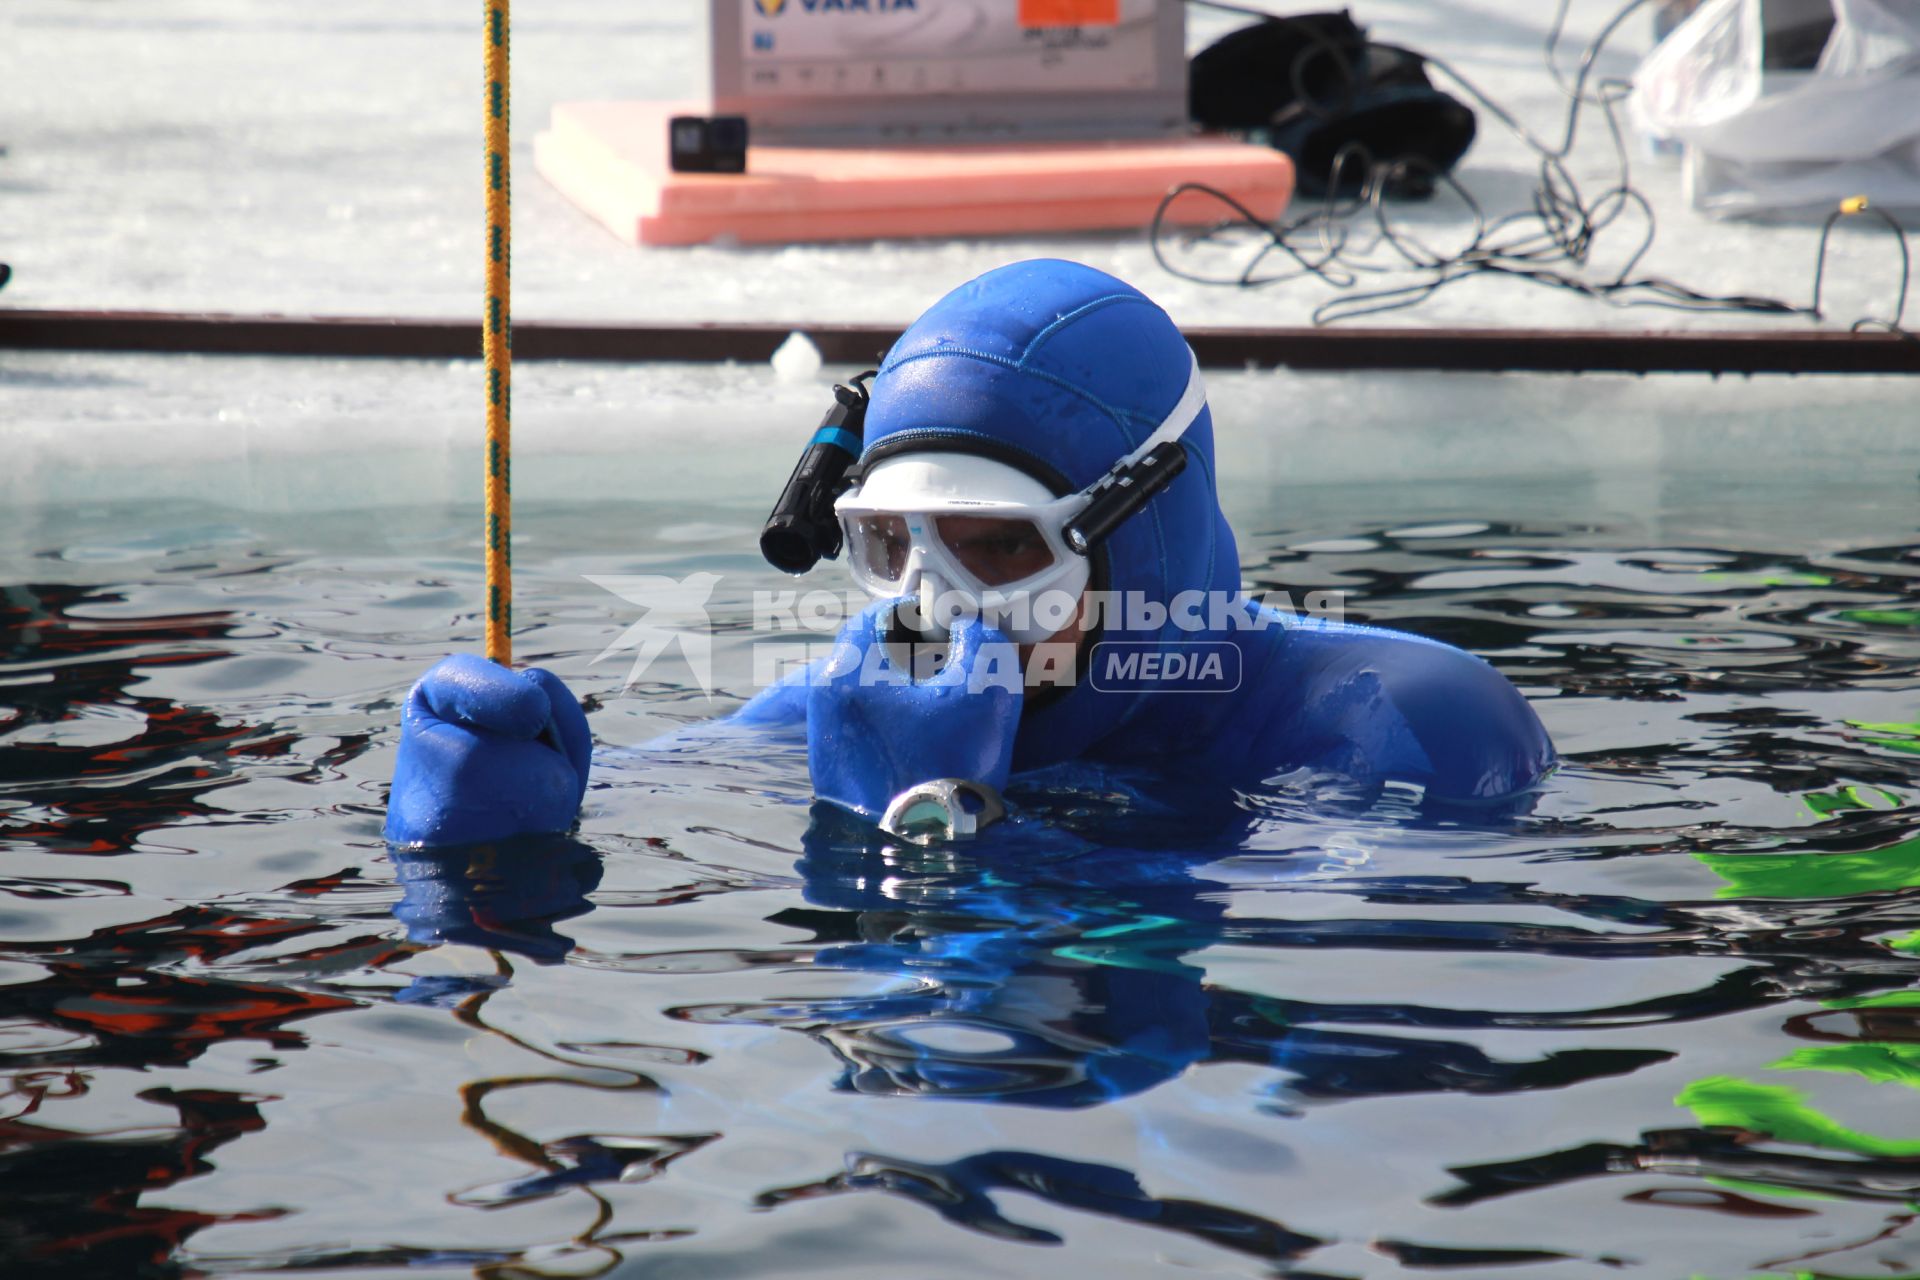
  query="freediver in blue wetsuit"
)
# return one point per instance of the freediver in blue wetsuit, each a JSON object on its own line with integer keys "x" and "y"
{"x": 1030, "y": 485}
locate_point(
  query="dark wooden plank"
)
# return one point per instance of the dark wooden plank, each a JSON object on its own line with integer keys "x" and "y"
{"x": 1463, "y": 350}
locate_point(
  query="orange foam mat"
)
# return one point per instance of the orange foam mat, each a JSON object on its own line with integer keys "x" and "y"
{"x": 610, "y": 158}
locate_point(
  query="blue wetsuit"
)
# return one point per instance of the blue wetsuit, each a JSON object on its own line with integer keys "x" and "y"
{"x": 1059, "y": 370}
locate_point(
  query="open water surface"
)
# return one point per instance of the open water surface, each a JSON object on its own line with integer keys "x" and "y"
{"x": 1665, "y": 1024}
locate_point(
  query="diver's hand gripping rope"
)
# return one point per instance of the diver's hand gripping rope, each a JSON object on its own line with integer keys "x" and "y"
{"x": 497, "y": 340}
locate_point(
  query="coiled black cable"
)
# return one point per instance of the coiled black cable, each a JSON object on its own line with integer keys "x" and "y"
{"x": 1549, "y": 244}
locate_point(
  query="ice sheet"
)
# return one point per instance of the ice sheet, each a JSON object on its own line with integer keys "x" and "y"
{"x": 234, "y": 155}
{"x": 299, "y": 435}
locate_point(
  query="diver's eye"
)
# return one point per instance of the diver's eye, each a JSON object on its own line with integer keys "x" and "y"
{"x": 883, "y": 542}
{"x": 994, "y": 549}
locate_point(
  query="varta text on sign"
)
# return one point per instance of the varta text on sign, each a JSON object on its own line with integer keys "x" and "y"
{"x": 774, "y": 8}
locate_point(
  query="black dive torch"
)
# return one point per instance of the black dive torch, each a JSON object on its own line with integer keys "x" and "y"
{"x": 1121, "y": 492}
{"x": 802, "y": 529}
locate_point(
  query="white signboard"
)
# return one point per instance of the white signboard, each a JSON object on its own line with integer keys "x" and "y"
{"x": 869, "y": 48}
{"x": 866, "y": 72}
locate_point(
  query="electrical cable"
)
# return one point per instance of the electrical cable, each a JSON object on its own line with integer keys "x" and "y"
{"x": 1550, "y": 244}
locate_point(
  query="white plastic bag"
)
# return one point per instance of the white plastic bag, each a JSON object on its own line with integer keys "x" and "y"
{"x": 1707, "y": 69}
{"x": 1760, "y": 143}
{"x": 1871, "y": 35}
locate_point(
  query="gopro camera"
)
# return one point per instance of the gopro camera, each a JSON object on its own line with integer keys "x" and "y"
{"x": 707, "y": 144}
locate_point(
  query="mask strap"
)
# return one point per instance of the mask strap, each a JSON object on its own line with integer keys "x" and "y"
{"x": 1133, "y": 481}
{"x": 1182, "y": 415}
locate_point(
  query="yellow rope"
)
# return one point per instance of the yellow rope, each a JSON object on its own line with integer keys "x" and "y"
{"x": 497, "y": 342}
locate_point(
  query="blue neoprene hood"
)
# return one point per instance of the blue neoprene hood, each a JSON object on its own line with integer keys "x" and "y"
{"x": 1060, "y": 370}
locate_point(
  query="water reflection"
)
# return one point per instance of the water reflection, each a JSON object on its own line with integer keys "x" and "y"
{"x": 1037, "y": 969}
{"x": 72, "y": 1201}
{"x": 1737, "y": 812}
{"x": 506, "y": 896}
{"x": 159, "y": 758}
{"x": 961, "y": 1192}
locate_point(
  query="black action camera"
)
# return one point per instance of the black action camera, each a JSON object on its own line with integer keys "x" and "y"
{"x": 707, "y": 144}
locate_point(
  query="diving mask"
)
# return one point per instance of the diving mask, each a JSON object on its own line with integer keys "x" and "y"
{"x": 963, "y": 533}
{"x": 985, "y": 535}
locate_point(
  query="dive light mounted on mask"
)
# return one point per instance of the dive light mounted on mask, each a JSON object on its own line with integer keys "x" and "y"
{"x": 1117, "y": 495}
{"x": 803, "y": 528}
{"x": 1133, "y": 481}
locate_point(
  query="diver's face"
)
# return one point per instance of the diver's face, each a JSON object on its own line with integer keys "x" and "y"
{"x": 1008, "y": 566}
{"x": 996, "y": 550}
{"x": 965, "y": 535}
{"x": 999, "y": 551}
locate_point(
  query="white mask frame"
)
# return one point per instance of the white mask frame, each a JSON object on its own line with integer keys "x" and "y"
{"x": 930, "y": 568}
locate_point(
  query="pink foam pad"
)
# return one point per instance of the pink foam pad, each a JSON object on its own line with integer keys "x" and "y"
{"x": 610, "y": 158}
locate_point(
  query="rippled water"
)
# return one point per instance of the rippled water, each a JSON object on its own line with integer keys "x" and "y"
{"x": 1665, "y": 1024}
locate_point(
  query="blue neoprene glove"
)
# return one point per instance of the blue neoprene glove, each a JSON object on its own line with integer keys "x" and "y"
{"x": 487, "y": 753}
{"x": 871, "y": 733}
